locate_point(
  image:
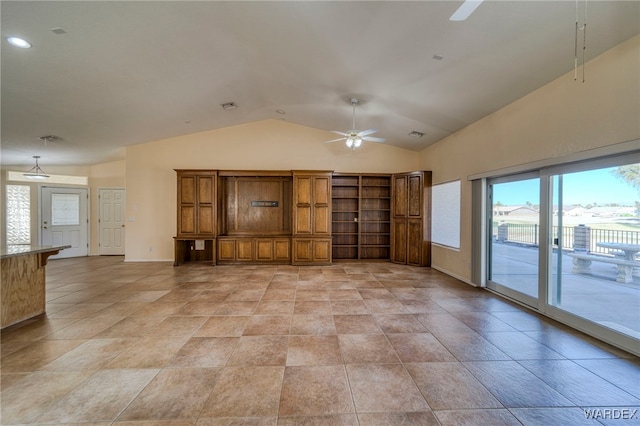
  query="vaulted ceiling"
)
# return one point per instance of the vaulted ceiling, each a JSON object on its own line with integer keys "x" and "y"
{"x": 104, "y": 75}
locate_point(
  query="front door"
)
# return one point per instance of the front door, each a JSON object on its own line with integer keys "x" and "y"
{"x": 65, "y": 220}
{"x": 111, "y": 219}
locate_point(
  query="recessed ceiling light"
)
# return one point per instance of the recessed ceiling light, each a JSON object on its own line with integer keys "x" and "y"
{"x": 438, "y": 57}
{"x": 416, "y": 134}
{"x": 279, "y": 111}
{"x": 19, "y": 42}
{"x": 229, "y": 105}
{"x": 58, "y": 30}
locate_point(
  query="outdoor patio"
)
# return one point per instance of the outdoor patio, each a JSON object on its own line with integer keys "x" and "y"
{"x": 595, "y": 296}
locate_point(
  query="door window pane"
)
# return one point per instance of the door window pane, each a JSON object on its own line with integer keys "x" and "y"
{"x": 65, "y": 209}
{"x": 515, "y": 228}
{"x": 596, "y": 236}
{"x": 18, "y": 214}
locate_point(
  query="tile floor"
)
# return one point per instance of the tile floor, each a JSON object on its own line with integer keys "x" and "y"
{"x": 348, "y": 344}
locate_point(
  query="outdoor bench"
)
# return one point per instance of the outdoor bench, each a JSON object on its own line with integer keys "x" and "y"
{"x": 582, "y": 263}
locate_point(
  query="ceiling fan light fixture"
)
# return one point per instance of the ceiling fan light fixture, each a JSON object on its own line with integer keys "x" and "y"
{"x": 36, "y": 173}
{"x": 18, "y": 42}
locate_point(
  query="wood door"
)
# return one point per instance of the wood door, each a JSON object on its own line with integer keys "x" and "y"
{"x": 282, "y": 249}
{"x": 196, "y": 203}
{"x": 244, "y": 250}
{"x": 414, "y": 195}
{"x": 264, "y": 249}
{"x": 400, "y": 196}
{"x": 414, "y": 242}
{"x": 226, "y": 250}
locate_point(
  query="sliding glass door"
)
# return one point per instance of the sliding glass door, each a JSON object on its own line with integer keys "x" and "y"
{"x": 515, "y": 237}
{"x": 565, "y": 240}
{"x": 595, "y": 272}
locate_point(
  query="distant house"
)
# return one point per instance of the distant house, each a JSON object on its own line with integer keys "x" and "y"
{"x": 514, "y": 211}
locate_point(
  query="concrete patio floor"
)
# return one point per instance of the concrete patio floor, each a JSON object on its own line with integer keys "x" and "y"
{"x": 596, "y": 296}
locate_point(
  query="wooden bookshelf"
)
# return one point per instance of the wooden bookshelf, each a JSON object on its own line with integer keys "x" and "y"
{"x": 361, "y": 216}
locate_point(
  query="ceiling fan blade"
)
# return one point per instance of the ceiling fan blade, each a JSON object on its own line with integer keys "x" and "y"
{"x": 339, "y": 133}
{"x": 372, "y": 139}
{"x": 367, "y": 132}
{"x": 336, "y": 140}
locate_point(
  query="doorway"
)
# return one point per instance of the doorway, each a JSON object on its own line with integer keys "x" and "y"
{"x": 65, "y": 220}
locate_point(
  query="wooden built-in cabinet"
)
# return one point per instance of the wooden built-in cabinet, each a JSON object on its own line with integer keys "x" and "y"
{"x": 196, "y": 216}
{"x": 411, "y": 218}
{"x": 254, "y": 250}
{"x": 361, "y": 216}
{"x": 311, "y": 238}
{"x": 302, "y": 217}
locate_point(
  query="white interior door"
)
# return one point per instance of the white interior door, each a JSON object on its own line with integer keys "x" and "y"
{"x": 111, "y": 218}
{"x": 65, "y": 220}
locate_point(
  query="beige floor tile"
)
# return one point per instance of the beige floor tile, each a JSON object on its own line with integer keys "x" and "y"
{"x": 312, "y": 325}
{"x": 223, "y": 326}
{"x": 366, "y": 348}
{"x": 328, "y": 420}
{"x": 306, "y": 307}
{"x": 101, "y": 397}
{"x": 173, "y": 394}
{"x": 236, "y": 308}
{"x": 356, "y": 324}
{"x": 130, "y": 327}
{"x": 425, "y": 418}
{"x": 450, "y": 386}
{"x": 313, "y": 350}
{"x": 384, "y": 387}
{"x": 93, "y": 354}
{"x": 268, "y": 325}
{"x": 178, "y": 326}
{"x": 149, "y": 352}
{"x": 33, "y": 393}
{"x": 477, "y": 417}
{"x": 274, "y": 307}
{"x": 419, "y": 347}
{"x": 205, "y": 352}
{"x": 237, "y": 421}
{"x": 349, "y": 307}
{"x": 314, "y": 391}
{"x": 260, "y": 350}
{"x": 245, "y": 392}
{"x": 36, "y": 355}
{"x": 399, "y": 324}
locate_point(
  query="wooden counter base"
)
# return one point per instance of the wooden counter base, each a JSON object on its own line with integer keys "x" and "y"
{"x": 23, "y": 286}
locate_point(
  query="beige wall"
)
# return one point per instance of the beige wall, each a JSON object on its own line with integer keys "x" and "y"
{"x": 262, "y": 145}
{"x": 561, "y": 118}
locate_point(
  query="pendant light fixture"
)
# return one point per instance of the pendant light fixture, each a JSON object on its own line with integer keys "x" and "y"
{"x": 36, "y": 173}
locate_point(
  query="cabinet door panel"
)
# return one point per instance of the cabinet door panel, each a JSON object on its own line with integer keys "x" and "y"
{"x": 415, "y": 196}
{"x": 226, "y": 249}
{"x": 205, "y": 189}
{"x": 399, "y": 243}
{"x": 302, "y": 251}
{"x": 303, "y": 193}
{"x": 187, "y": 220}
{"x": 243, "y": 250}
{"x": 282, "y": 249}
{"x": 321, "y": 220}
{"x": 321, "y": 190}
{"x": 414, "y": 242}
{"x": 400, "y": 196}
{"x": 205, "y": 219}
{"x": 187, "y": 189}
{"x": 264, "y": 249}
{"x": 322, "y": 250}
{"x": 303, "y": 219}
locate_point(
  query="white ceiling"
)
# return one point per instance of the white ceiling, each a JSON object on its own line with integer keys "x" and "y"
{"x": 125, "y": 73}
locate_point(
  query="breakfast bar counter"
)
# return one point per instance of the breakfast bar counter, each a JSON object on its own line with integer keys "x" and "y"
{"x": 23, "y": 281}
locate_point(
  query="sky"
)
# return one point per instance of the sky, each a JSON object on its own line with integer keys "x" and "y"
{"x": 594, "y": 186}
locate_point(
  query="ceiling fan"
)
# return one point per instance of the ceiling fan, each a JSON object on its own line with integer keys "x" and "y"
{"x": 353, "y": 138}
